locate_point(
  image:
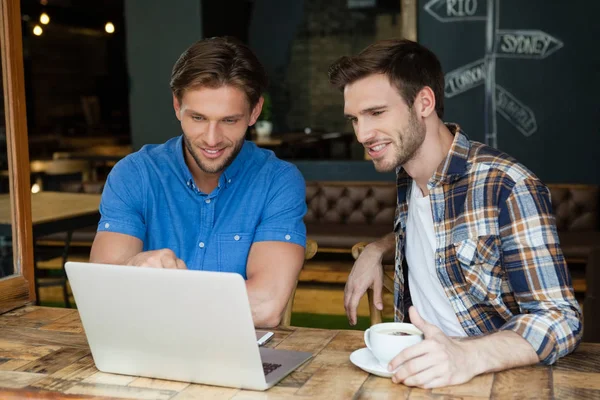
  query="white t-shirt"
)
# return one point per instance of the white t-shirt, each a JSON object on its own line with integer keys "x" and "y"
{"x": 426, "y": 291}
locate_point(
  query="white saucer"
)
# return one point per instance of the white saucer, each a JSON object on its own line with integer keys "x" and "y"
{"x": 364, "y": 359}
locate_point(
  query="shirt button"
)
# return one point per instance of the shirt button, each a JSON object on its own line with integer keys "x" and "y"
{"x": 207, "y": 201}
{"x": 107, "y": 225}
{"x": 287, "y": 237}
{"x": 237, "y": 237}
{"x": 201, "y": 245}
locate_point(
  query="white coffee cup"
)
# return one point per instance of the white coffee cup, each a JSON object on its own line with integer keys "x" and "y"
{"x": 385, "y": 342}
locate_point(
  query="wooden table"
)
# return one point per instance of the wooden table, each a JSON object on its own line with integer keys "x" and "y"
{"x": 97, "y": 153}
{"x": 44, "y": 349}
{"x": 54, "y": 212}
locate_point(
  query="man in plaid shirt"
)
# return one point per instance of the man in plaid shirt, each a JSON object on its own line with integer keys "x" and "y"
{"x": 474, "y": 226}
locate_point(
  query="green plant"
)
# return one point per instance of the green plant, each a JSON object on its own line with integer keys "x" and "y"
{"x": 266, "y": 113}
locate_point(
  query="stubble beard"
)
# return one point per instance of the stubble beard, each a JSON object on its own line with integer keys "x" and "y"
{"x": 407, "y": 147}
{"x": 216, "y": 168}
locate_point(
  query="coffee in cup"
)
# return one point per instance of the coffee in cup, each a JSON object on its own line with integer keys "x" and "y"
{"x": 394, "y": 332}
{"x": 388, "y": 339}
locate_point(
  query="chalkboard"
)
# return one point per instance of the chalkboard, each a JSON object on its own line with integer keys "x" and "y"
{"x": 538, "y": 64}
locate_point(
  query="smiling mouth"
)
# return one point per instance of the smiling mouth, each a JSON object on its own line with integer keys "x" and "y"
{"x": 377, "y": 150}
{"x": 213, "y": 153}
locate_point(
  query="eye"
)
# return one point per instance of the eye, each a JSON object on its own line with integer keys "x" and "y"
{"x": 352, "y": 120}
{"x": 197, "y": 118}
{"x": 230, "y": 121}
{"x": 376, "y": 113}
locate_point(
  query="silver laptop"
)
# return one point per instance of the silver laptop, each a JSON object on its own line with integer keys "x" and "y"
{"x": 191, "y": 326}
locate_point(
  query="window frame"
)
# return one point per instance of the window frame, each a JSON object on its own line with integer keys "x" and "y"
{"x": 18, "y": 289}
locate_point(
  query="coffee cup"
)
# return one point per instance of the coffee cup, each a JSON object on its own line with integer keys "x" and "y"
{"x": 388, "y": 339}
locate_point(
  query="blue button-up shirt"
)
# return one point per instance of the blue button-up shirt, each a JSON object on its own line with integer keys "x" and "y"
{"x": 151, "y": 195}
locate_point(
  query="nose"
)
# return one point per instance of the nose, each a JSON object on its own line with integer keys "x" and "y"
{"x": 213, "y": 136}
{"x": 364, "y": 133}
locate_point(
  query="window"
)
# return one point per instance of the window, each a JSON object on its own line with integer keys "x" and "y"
{"x": 16, "y": 289}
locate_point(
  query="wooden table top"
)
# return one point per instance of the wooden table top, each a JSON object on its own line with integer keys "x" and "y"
{"x": 96, "y": 153}
{"x": 44, "y": 354}
{"x": 53, "y": 206}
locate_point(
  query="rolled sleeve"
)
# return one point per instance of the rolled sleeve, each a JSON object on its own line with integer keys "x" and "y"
{"x": 122, "y": 204}
{"x": 550, "y": 318}
{"x": 285, "y": 209}
{"x": 553, "y": 333}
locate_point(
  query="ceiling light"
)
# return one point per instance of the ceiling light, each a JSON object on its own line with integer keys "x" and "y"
{"x": 109, "y": 27}
{"x": 44, "y": 18}
{"x": 37, "y": 30}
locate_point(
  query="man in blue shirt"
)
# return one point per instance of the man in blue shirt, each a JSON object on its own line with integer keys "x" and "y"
{"x": 209, "y": 200}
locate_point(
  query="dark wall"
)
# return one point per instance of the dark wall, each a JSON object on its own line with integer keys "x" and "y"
{"x": 557, "y": 85}
{"x": 276, "y": 19}
{"x": 156, "y": 35}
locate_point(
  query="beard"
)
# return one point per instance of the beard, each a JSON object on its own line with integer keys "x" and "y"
{"x": 215, "y": 166}
{"x": 407, "y": 146}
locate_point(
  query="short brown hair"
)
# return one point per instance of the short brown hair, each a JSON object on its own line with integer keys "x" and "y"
{"x": 408, "y": 65}
{"x": 217, "y": 62}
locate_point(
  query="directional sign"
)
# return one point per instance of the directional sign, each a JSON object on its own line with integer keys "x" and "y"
{"x": 457, "y": 10}
{"x": 465, "y": 78}
{"x": 525, "y": 44}
{"x": 515, "y": 112}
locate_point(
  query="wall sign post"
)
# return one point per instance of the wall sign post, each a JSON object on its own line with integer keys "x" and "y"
{"x": 522, "y": 43}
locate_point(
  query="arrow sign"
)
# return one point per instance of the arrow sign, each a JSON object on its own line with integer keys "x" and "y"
{"x": 465, "y": 78}
{"x": 515, "y": 112}
{"x": 525, "y": 44}
{"x": 457, "y": 10}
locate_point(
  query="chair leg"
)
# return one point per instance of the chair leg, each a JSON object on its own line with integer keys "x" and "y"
{"x": 286, "y": 319}
{"x": 591, "y": 302}
{"x": 36, "y": 274}
{"x": 64, "y": 260}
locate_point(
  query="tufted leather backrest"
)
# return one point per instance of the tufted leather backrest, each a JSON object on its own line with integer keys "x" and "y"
{"x": 575, "y": 206}
{"x": 351, "y": 202}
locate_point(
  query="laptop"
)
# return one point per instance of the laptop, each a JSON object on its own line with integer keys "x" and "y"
{"x": 190, "y": 326}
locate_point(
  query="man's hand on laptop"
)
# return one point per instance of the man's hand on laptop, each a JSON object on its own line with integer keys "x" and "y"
{"x": 163, "y": 258}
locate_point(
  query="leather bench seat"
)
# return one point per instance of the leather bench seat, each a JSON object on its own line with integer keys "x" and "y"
{"x": 341, "y": 214}
{"x": 578, "y": 245}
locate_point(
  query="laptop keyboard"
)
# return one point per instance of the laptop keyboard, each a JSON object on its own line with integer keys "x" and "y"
{"x": 268, "y": 368}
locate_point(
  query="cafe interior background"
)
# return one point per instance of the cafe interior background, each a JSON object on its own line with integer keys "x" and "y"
{"x": 96, "y": 86}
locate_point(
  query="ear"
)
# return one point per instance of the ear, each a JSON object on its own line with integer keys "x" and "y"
{"x": 256, "y": 111}
{"x": 177, "y": 107}
{"x": 424, "y": 104}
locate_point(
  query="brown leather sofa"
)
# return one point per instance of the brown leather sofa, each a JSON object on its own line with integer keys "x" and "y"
{"x": 576, "y": 208}
{"x": 341, "y": 214}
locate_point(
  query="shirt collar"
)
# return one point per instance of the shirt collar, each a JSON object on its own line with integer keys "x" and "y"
{"x": 239, "y": 162}
{"x": 179, "y": 151}
{"x": 454, "y": 165}
{"x": 230, "y": 172}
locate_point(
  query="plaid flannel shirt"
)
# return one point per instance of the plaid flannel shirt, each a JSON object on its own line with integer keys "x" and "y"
{"x": 497, "y": 251}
